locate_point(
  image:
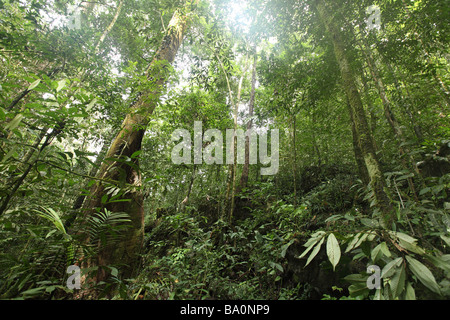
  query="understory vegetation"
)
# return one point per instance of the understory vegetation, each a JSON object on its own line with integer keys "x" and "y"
{"x": 358, "y": 207}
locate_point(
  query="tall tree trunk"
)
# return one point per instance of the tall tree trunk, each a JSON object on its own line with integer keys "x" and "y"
{"x": 365, "y": 138}
{"x": 372, "y": 118}
{"x": 389, "y": 114}
{"x": 110, "y": 26}
{"x": 294, "y": 154}
{"x": 251, "y": 105}
{"x": 314, "y": 140}
{"x": 226, "y": 201}
{"x": 188, "y": 194}
{"x": 126, "y": 143}
{"x": 234, "y": 144}
{"x": 362, "y": 169}
{"x": 390, "y": 117}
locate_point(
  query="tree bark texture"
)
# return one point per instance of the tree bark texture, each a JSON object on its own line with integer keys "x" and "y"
{"x": 390, "y": 117}
{"x": 122, "y": 168}
{"x": 365, "y": 138}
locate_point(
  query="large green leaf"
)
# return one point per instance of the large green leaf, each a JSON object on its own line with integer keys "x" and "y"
{"x": 403, "y": 236}
{"x": 14, "y": 122}
{"x": 61, "y": 85}
{"x": 379, "y": 251}
{"x": 440, "y": 262}
{"x": 311, "y": 242}
{"x": 315, "y": 251}
{"x": 446, "y": 239}
{"x": 398, "y": 282}
{"x": 358, "y": 289}
{"x": 352, "y": 243}
{"x": 333, "y": 250}
{"x": 410, "y": 293}
{"x": 52, "y": 216}
{"x": 390, "y": 267}
{"x": 423, "y": 274}
{"x": 356, "y": 277}
{"x": 34, "y": 84}
{"x": 407, "y": 242}
{"x": 285, "y": 247}
{"x": 371, "y": 223}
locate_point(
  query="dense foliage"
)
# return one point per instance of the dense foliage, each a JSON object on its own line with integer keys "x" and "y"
{"x": 362, "y": 188}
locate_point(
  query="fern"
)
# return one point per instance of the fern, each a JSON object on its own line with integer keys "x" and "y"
{"x": 53, "y": 217}
{"x": 106, "y": 226}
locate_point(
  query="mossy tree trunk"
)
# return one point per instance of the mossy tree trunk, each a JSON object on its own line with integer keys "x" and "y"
{"x": 121, "y": 166}
{"x": 389, "y": 114}
{"x": 362, "y": 130}
{"x": 362, "y": 169}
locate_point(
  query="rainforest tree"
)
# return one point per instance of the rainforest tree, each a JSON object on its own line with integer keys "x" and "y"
{"x": 91, "y": 94}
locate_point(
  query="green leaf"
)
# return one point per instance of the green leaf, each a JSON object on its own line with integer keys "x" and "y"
{"x": 406, "y": 176}
{"x": 50, "y": 289}
{"x": 410, "y": 293}
{"x": 9, "y": 154}
{"x": 378, "y": 252}
{"x": 33, "y": 291}
{"x": 378, "y": 295}
{"x": 335, "y": 217}
{"x": 114, "y": 272}
{"x": 34, "y": 84}
{"x": 423, "y": 274}
{"x": 315, "y": 237}
{"x": 352, "y": 243}
{"x": 446, "y": 239}
{"x": 104, "y": 198}
{"x": 52, "y": 216}
{"x": 440, "y": 262}
{"x": 361, "y": 240}
{"x": 2, "y": 114}
{"x": 285, "y": 247}
{"x": 14, "y": 122}
{"x": 311, "y": 242}
{"x": 390, "y": 267}
{"x": 358, "y": 289}
{"x": 404, "y": 237}
{"x": 411, "y": 247}
{"x": 136, "y": 154}
{"x": 276, "y": 266}
{"x": 356, "y": 277}
{"x": 407, "y": 242}
{"x": 371, "y": 223}
{"x": 61, "y": 84}
{"x": 385, "y": 249}
{"x": 315, "y": 251}
{"x": 398, "y": 282}
{"x": 333, "y": 250}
